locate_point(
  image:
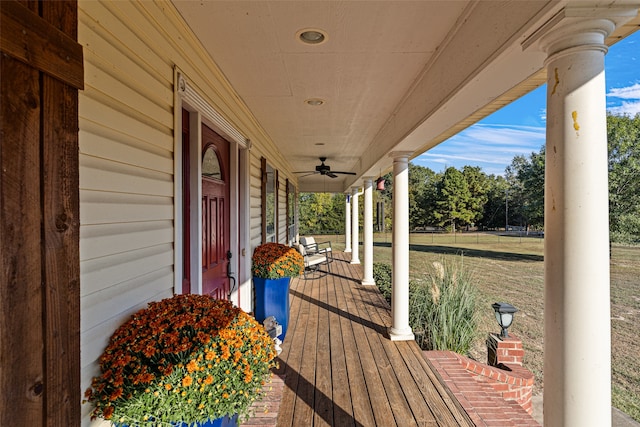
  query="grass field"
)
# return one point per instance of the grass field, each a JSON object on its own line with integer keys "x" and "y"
{"x": 511, "y": 269}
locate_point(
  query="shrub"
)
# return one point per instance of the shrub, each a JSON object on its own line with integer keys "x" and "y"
{"x": 382, "y": 277}
{"x": 442, "y": 309}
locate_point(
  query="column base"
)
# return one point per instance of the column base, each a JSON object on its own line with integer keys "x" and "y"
{"x": 347, "y": 250}
{"x": 401, "y": 334}
{"x": 368, "y": 282}
{"x": 355, "y": 261}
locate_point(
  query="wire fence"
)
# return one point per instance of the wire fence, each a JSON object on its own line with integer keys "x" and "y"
{"x": 442, "y": 238}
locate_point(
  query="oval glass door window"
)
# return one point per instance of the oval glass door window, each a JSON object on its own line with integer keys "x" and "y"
{"x": 211, "y": 164}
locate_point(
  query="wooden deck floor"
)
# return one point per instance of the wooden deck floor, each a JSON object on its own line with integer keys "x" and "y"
{"x": 342, "y": 370}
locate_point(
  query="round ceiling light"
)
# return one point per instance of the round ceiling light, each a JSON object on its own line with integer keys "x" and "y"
{"x": 314, "y": 102}
{"x": 312, "y": 36}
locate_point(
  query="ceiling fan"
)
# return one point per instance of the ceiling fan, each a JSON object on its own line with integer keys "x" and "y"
{"x": 323, "y": 169}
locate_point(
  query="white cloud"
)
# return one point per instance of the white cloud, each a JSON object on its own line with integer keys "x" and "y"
{"x": 626, "y": 108}
{"x": 492, "y": 147}
{"x": 632, "y": 96}
{"x": 629, "y": 92}
{"x": 543, "y": 114}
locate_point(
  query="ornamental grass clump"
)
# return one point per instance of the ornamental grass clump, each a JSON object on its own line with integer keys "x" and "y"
{"x": 442, "y": 309}
{"x": 275, "y": 261}
{"x": 190, "y": 358}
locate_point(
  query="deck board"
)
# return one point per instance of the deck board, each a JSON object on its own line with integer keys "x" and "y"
{"x": 339, "y": 373}
{"x": 362, "y": 410}
{"x": 341, "y": 368}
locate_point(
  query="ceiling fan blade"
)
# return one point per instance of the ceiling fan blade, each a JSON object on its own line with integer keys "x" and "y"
{"x": 309, "y": 172}
{"x": 344, "y": 173}
{"x": 330, "y": 174}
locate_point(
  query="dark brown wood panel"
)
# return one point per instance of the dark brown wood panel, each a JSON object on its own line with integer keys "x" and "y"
{"x": 342, "y": 369}
{"x": 61, "y": 224}
{"x": 22, "y": 375}
{"x": 40, "y": 290}
{"x": 42, "y": 45}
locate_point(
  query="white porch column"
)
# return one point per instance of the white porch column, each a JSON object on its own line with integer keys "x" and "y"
{"x": 400, "y": 329}
{"x": 577, "y": 337}
{"x": 368, "y": 232}
{"x": 355, "y": 227}
{"x": 347, "y": 223}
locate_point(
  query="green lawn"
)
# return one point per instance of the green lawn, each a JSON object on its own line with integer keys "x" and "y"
{"x": 511, "y": 269}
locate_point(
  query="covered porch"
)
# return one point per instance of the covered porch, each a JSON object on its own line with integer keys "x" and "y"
{"x": 338, "y": 367}
{"x": 104, "y": 179}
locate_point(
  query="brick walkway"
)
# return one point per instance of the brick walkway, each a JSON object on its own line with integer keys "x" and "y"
{"x": 482, "y": 402}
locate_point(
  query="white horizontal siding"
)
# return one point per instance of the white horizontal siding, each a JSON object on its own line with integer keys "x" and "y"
{"x": 107, "y": 175}
{"x": 126, "y": 174}
{"x": 108, "y": 239}
{"x": 96, "y": 106}
{"x": 139, "y": 289}
{"x": 104, "y": 272}
{"x": 100, "y": 207}
{"x": 101, "y": 142}
{"x": 127, "y": 137}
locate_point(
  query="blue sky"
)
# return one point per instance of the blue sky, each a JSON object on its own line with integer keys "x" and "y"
{"x": 519, "y": 128}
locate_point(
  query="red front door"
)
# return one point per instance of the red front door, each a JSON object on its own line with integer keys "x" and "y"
{"x": 215, "y": 214}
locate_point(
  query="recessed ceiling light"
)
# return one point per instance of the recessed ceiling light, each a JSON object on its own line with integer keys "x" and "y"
{"x": 314, "y": 102}
{"x": 312, "y": 36}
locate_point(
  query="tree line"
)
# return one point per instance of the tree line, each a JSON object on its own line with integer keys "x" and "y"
{"x": 468, "y": 198}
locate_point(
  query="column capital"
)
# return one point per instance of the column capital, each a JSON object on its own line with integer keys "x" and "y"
{"x": 368, "y": 179}
{"x": 397, "y": 155}
{"x": 579, "y": 26}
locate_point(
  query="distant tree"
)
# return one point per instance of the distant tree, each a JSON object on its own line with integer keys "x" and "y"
{"x": 453, "y": 200}
{"x": 623, "y": 137}
{"x": 478, "y": 185}
{"x": 321, "y": 213}
{"x": 526, "y": 189}
{"x": 422, "y": 186}
{"x": 495, "y": 208}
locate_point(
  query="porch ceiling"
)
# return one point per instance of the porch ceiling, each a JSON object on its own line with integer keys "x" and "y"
{"x": 393, "y": 75}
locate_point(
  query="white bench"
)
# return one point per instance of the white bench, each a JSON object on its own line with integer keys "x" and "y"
{"x": 312, "y": 259}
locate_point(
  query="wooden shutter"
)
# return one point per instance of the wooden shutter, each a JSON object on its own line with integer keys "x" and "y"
{"x": 42, "y": 69}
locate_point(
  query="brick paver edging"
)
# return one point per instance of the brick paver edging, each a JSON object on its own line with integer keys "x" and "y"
{"x": 265, "y": 410}
{"x": 468, "y": 380}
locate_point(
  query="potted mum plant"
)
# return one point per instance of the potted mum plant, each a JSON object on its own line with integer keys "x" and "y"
{"x": 273, "y": 266}
{"x": 190, "y": 360}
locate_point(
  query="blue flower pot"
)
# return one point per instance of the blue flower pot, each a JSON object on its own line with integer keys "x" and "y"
{"x": 225, "y": 421}
{"x": 272, "y": 299}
